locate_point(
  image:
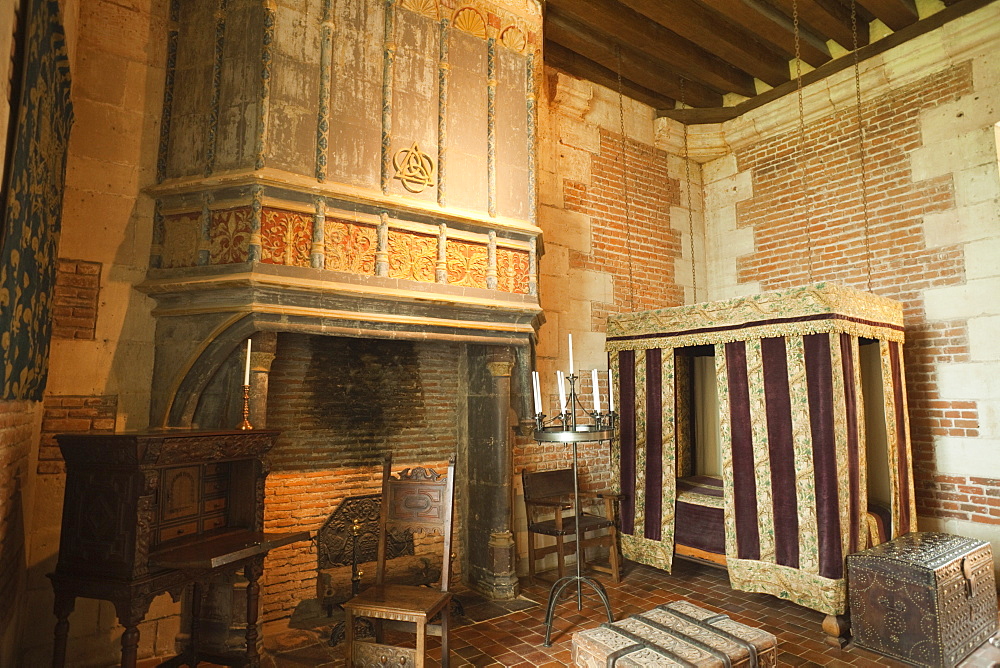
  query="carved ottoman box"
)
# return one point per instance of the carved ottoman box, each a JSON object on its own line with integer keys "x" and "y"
{"x": 926, "y": 598}
{"x": 676, "y": 634}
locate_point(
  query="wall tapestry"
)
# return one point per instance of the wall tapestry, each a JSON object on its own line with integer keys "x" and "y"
{"x": 31, "y": 215}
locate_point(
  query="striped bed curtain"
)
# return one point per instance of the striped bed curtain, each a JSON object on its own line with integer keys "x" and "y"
{"x": 792, "y": 428}
{"x": 646, "y": 454}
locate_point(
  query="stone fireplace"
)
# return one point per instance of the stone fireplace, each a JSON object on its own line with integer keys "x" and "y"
{"x": 351, "y": 185}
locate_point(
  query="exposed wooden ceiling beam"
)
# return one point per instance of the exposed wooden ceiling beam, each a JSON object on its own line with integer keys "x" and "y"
{"x": 773, "y": 27}
{"x": 639, "y": 32}
{"x": 954, "y": 10}
{"x": 636, "y": 66}
{"x": 897, "y": 14}
{"x": 828, "y": 17}
{"x": 716, "y": 35}
{"x": 577, "y": 65}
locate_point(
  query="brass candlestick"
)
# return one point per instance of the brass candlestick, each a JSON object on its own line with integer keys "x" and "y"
{"x": 246, "y": 409}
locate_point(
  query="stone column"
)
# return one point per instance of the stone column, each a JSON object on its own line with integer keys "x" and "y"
{"x": 490, "y": 540}
{"x": 223, "y": 620}
{"x": 261, "y": 357}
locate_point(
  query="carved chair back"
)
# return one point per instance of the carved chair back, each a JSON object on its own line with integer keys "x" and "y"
{"x": 417, "y": 500}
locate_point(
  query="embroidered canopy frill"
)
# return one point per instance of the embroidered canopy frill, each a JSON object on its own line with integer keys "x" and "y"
{"x": 812, "y": 309}
{"x": 793, "y": 430}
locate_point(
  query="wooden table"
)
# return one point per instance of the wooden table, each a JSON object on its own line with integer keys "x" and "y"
{"x": 151, "y": 512}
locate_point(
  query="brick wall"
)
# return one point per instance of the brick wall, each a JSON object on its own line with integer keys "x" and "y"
{"x": 628, "y": 202}
{"x": 608, "y": 198}
{"x": 17, "y": 423}
{"x": 340, "y": 405}
{"x": 71, "y": 414}
{"x": 78, "y": 285}
{"x": 593, "y": 461}
{"x": 611, "y": 246}
{"x": 808, "y": 222}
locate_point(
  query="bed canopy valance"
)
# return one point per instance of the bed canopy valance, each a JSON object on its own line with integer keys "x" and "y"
{"x": 810, "y": 421}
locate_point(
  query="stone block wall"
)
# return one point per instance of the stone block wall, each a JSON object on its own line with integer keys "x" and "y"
{"x": 612, "y": 244}
{"x": 785, "y": 204}
{"x": 101, "y": 354}
{"x": 617, "y": 224}
{"x": 782, "y": 206}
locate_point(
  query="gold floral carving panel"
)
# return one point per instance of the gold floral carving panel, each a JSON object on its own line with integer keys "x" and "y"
{"x": 467, "y": 264}
{"x": 412, "y": 256}
{"x": 285, "y": 237}
{"x": 349, "y": 246}
{"x": 180, "y": 240}
{"x": 230, "y": 235}
{"x": 512, "y": 271}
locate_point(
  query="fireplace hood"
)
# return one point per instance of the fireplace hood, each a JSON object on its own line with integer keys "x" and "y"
{"x": 360, "y": 168}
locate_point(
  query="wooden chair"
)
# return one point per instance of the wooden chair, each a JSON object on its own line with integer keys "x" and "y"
{"x": 415, "y": 500}
{"x": 548, "y": 501}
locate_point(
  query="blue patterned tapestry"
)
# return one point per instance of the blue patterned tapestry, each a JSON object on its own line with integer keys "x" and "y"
{"x": 31, "y": 215}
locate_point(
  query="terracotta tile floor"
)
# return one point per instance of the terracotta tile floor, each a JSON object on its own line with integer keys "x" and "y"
{"x": 516, "y": 638}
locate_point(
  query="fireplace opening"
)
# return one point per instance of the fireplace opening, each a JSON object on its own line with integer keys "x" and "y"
{"x": 340, "y": 406}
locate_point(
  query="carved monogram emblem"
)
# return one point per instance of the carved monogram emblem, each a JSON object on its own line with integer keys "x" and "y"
{"x": 414, "y": 169}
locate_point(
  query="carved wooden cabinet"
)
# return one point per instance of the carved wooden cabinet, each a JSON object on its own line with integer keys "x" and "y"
{"x": 151, "y": 512}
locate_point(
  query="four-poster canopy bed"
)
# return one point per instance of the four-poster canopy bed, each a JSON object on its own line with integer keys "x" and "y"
{"x": 775, "y": 423}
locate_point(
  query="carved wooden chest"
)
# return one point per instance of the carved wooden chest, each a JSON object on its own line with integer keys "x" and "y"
{"x": 925, "y": 598}
{"x": 679, "y": 633}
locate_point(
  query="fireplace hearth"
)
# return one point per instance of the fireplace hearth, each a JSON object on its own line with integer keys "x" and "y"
{"x": 347, "y": 540}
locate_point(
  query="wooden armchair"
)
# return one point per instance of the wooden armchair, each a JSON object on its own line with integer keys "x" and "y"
{"x": 548, "y": 501}
{"x": 415, "y": 500}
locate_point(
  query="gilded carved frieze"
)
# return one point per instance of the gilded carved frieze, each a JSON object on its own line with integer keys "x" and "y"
{"x": 512, "y": 270}
{"x": 286, "y": 237}
{"x": 412, "y": 256}
{"x": 467, "y": 264}
{"x": 230, "y": 235}
{"x": 349, "y": 246}
{"x": 515, "y": 30}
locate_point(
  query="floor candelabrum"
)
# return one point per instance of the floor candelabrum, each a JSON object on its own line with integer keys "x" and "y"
{"x": 564, "y": 428}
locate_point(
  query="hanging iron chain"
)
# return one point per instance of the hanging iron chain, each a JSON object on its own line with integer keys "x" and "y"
{"x": 628, "y": 225}
{"x": 690, "y": 207}
{"x": 802, "y": 137}
{"x": 861, "y": 141}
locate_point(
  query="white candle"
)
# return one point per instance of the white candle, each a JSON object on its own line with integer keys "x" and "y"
{"x": 611, "y": 394}
{"x": 246, "y": 369}
{"x": 571, "y": 354}
{"x": 536, "y": 392}
{"x": 562, "y": 392}
{"x": 597, "y": 391}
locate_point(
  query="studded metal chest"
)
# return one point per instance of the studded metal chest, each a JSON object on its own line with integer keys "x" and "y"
{"x": 926, "y": 598}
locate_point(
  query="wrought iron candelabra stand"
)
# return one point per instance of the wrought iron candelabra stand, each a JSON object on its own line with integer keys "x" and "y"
{"x": 564, "y": 428}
